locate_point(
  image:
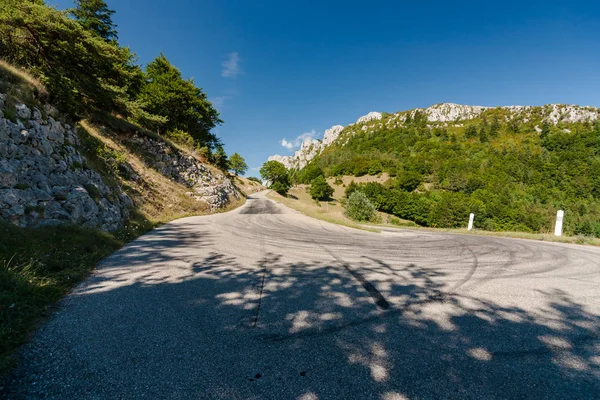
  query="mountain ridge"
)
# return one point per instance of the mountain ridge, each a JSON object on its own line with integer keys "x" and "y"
{"x": 440, "y": 113}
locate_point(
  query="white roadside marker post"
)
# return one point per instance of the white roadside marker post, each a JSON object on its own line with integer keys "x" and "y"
{"x": 559, "y": 223}
{"x": 471, "y": 217}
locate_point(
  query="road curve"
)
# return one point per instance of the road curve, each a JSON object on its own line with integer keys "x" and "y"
{"x": 265, "y": 303}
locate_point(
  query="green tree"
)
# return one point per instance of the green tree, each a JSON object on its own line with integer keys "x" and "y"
{"x": 276, "y": 175}
{"x": 82, "y": 71}
{"x": 220, "y": 159}
{"x": 309, "y": 173}
{"x": 95, "y": 16}
{"x": 471, "y": 131}
{"x": 409, "y": 180}
{"x": 185, "y": 106}
{"x": 320, "y": 189}
{"x": 237, "y": 164}
{"x": 351, "y": 188}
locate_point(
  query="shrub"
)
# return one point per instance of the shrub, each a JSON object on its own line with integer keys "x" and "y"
{"x": 409, "y": 180}
{"x": 351, "y": 188}
{"x": 181, "y": 137}
{"x": 280, "y": 187}
{"x": 320, "y": 189}
{"x": 359, "y": 208}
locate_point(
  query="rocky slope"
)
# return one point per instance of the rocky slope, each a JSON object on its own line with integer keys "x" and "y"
{"x": 438, "y": 114}
{"x": 205, "y": 185}
{"x": 46, "y": 180}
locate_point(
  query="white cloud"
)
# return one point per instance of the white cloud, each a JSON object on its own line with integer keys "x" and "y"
{"x": 286, "y": 144}
{"x": 219, "y": 101}
{"x": 297, "y": 142}
{"x": 231, "y": 67}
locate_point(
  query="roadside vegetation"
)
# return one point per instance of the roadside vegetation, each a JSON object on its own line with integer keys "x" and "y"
{"x": 512, "y": 172}
{"x": 76, "y": 55}
{"x": 277, "y": 176}
{"x": 72, "y": 60}
{"x": 335, "y": 210}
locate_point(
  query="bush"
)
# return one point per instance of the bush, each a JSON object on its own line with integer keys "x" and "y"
{"x": 351, "y": 188}
{"x": 408, "y": 181}
{"x": 280, "y": 188}
{"x": 181, "y": 137}
{"x": 320, "y": 189}
{"x": 359, "y": 208}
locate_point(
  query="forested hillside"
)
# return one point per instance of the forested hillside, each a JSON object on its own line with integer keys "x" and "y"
{"x": 514, "y": 167}
{"x": 77, "y": 56}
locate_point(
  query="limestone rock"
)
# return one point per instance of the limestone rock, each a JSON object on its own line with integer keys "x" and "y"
{"x": 23, "y": 112}
{"x": 211, "y": 187}
{"x": 43, "y": 178}
{"x": 373, "y": 115}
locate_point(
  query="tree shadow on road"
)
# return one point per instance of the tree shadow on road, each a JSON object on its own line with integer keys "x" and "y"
{"x": 312, "y": 331}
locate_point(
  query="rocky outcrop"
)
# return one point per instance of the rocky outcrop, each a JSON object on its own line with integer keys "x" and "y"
{"x": 309, "y": 149}
{"x": 206, "y": 185}
{"x": 447, "y": 112}
{"x": 287, "y": 161}
{"x": 44, "y": 180}
{"x": 444, "y": 114}
{"x": 332, "y": 134}
{"x": 373, "y": 115}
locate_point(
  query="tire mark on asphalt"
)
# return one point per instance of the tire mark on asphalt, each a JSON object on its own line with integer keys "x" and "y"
{"x": 368, "y": 286}
{"x": 262, "y": 284}
{"x": 472, "y": 270}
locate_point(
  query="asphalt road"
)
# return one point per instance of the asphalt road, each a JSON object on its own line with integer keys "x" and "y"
{"x": 265, "y": 303}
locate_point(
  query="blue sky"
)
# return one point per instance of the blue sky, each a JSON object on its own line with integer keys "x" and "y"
{"x": 279, "y": 69}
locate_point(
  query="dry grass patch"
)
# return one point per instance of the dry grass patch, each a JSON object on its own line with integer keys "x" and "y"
{"x": 332, "y": 212}
{"x": 157, "y": 198}
{"x": 24, "y": 77}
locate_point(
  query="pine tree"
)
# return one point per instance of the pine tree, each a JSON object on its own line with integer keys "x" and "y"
{"x": 95, "y": 16}
{"x": 237, "y": 164}
{"x": 220, "y": 158}
{"x": 168, "y": 94}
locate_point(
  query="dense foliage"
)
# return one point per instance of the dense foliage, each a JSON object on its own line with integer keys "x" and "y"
{"x": 307, "y": 174}
{"x": 277, "y": 176}
{"x": 95, "y": 16}
{"x": 184, "y": 105}
{"x": 320, "y": 189}
{"x": 77, "y": 56}
{"x": 359, "y": 207}
{"x": 513, "y": 172}
{"x": 220, "y": 159}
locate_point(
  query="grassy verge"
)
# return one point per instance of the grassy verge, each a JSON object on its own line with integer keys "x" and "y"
{"x": 544, "y": 237}
{"x": 333, "y": 212}
{"x": 37, "y": 268}
{"x": 325, "y": 211}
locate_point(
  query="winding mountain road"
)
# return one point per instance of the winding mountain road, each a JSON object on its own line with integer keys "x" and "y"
{"x": 265, "y": 303}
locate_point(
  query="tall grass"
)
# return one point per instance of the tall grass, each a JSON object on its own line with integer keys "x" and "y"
{"x": 37, "y": 268}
